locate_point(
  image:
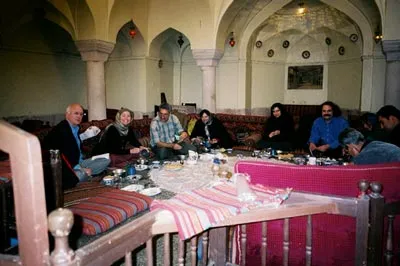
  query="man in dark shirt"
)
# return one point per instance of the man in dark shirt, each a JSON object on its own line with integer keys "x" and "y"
{"x": 389, "y": 118}
{"x": 65, "y": 138}
{"x": 367, "y": 152}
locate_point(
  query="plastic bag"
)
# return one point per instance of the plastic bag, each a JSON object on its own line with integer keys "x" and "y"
{"x": 243, "y": 190}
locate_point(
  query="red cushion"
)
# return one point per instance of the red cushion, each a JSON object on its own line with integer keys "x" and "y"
{"x": 108, "y": 209}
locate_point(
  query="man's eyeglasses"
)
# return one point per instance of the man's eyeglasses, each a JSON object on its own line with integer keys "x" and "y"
{"x": 164, "y": 114}
{"x": 77, "y": 113}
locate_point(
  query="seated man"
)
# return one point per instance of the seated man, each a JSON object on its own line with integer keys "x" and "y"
{"x": 389, "y": 118}
{"x": 167, "y": 136}
{"x": 326, "y": 129}
{"x": 65, "y": 138}
{"x": 367, "y": 152}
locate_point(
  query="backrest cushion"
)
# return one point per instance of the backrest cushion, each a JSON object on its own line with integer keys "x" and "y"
{"x": 106, "y": 210}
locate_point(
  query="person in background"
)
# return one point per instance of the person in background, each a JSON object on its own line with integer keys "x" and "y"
{"x": 167, "y": 136}
{"x": 211, "y": 129}
{"x": 326, "y": 129}
{"x": 65, "y": 138}
{"x": 367, "y": 152}
{"x": 370, "y": 127}
{"x": 389, "y": 119}
{"x": 279, "y": 129}
{"x": 118, "y": 137}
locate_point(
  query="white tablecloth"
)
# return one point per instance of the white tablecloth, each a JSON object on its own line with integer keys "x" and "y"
{"x": 193, "y": 176}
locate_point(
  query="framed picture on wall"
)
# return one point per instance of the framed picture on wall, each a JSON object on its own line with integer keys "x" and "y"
{"x": 305, "y": 77}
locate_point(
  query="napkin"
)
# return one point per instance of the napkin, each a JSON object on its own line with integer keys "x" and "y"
{"x": 90, "y": 133}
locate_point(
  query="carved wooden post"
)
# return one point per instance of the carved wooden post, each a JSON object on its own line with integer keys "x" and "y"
{"x": 362, "y": 223}
{"x": 60, "y": 224}
{"x": 55, "y": 161}
{"x": 375, "y": 239}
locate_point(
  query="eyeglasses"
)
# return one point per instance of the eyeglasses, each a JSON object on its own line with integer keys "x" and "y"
{"x": 77, "y": 113}
{"x": 164, "y": 114}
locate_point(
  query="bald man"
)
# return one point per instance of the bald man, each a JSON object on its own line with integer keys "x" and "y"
{"x": 65, "y": 137}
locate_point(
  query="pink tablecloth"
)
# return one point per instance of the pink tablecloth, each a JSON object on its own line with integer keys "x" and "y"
{"x": 197, "y": 210}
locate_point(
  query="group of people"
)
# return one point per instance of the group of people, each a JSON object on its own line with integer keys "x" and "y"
{"x": 330, "y": 136}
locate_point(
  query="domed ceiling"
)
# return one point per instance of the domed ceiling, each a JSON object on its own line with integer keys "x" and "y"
{"x": 317, "y": 16}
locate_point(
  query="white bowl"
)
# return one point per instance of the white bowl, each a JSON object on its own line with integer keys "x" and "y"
{"x": 141, "y": 167}
{"x": 134, "y": 177}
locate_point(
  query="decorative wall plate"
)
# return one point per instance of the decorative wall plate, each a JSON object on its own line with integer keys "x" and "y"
{"x": 258, "y": 44}
{"x": 270, "y": 53}
{"x": 353, "y": 37}
{"x": 306, "y": 54}
{"x": 285, "y": 44}
{"x": 328, "y": 41}
{"x": 341, "y": 50}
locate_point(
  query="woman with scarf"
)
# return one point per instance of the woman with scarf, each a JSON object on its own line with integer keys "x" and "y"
{"x": 278, "y": 131}
{"x": 211, "y": 129}
{"x": 118, "y": 137}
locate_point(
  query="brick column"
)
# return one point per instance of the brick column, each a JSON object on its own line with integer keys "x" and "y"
{"x": 95, "y": 53}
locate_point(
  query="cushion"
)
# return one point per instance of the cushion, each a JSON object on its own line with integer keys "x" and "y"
{"x": 106, "y": 210}
{"x": 191, "y": 125}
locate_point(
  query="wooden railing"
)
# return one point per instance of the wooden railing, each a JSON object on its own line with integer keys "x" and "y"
{"x": 119, "y": 243}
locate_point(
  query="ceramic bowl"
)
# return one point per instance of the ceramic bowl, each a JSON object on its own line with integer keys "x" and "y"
{"x": 118, "y": 172}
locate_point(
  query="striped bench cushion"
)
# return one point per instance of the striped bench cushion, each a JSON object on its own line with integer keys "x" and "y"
{"x": 108, "y": 209}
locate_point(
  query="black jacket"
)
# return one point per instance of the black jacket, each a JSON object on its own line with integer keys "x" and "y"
{"x": 112, "y": 142}
{"x": 61, "y": 138}
{"x": 217, "y": 131}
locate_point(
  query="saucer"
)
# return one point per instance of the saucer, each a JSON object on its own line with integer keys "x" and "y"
{"x": 152, "y": 191}
{"x": 133, "y": 187}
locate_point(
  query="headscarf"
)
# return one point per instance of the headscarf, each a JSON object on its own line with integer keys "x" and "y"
{"x": 122, "y": 129}
{"x": 208, "y": 123}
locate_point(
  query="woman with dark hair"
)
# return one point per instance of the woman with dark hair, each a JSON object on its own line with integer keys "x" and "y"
{"x": 211, "y": 129}
{"x": 278, "y": 130}
{"x": 118, "y": 137}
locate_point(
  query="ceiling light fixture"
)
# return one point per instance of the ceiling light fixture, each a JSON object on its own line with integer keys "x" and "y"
{"x": 132, "y": 32}
{"x": 301, "y": 10}
{"x": 232, "y": 40}
{"x": 378, "y": 35}
{"x": 180, "y": 40}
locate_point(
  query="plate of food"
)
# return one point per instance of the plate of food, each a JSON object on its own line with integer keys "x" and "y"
{"x": 141, "y": 167}
{"x": 151, "y": 191}
{"x": 134, "y": 187}
{"x": 173, "y": 167}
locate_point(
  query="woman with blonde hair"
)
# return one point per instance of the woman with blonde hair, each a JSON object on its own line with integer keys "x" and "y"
{"x": 118, "y": 137}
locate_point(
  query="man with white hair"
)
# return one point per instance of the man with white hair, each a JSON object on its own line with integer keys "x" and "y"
{"x": 65, "y": 138}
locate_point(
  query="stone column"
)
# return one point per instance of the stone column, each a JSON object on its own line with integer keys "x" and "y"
{"x": 366, "y": 89}
{"x": 95, "y": 53}
{"x": 207, "y": 60}
{"x": 392, "y": 90}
